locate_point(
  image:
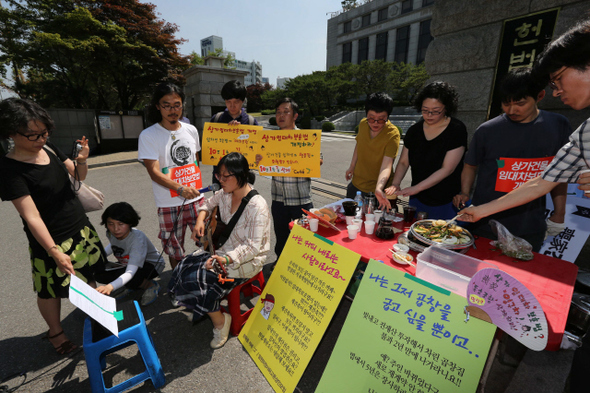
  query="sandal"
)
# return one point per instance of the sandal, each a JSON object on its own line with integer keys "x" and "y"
{"x": 65, "y": 347}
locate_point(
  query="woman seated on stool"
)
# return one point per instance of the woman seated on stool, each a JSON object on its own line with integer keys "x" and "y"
{"x": 194, "y": 283}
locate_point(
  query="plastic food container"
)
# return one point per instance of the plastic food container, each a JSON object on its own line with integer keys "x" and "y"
{"x": 448, "y": 269}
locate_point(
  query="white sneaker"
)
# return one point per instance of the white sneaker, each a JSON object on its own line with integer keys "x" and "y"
{"x": 220, "y": 336}
{"x": 151, "y": 294}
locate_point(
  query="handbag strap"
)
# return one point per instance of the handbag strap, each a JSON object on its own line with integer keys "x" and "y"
{"x": 232, "y": 223}
{"x": 76, "y": 183}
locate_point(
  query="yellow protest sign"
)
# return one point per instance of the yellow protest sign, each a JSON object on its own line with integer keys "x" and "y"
{"x": 293, "y": 153}
{"x": 220, "y": 139}
{"x": 297, "y": 304}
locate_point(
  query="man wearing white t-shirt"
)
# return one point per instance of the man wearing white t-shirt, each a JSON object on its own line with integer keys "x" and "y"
{"x": 169, "y": 150}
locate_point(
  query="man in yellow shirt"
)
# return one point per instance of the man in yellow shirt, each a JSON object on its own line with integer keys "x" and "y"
{"x": 376, "y": 148}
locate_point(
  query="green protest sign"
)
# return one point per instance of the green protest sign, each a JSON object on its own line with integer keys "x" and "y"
{"x": 403, "y": 334}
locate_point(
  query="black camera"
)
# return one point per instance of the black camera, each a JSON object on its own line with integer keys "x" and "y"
{"x": 75, "y": 149}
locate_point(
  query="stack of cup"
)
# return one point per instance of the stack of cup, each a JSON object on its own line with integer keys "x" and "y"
{"x": 369, "y": 224}
{"x": 349, "y": 211}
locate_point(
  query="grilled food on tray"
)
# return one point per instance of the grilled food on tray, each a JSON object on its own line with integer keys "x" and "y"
{"x": 438, "y": 231}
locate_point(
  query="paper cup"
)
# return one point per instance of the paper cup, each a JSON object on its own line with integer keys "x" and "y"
{"x": 349, "y": 220}
{"x": 352, "y": 231}
{"x": 370, "y": 217}
{"x": 369, "y": 227}
{"x": 358, "y": 222}
{"x": 313, "y": 224}
{"x": 378, "y": 215}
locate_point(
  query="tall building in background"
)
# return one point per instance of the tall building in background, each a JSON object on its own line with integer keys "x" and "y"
{"x": 391, "y": 30}
{"x": 254, "y": 68}
{"x": 281, "y": 82}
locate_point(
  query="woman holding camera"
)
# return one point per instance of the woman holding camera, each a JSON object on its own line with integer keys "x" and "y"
{"x": 61, "y": 239}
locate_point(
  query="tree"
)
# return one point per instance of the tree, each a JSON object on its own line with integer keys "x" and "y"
{"x": 312, "y": 92}
{"x": 100, "y": 54}
{"x": 196, "y": 59}
{"x": 373, "y": 75}
{"x": 406, "y": 80}
{"x": 271, "y": 97}
{"x": 343, "y": 83}
{"x": 228, "y": 62}
{"x": 254, "y": 96}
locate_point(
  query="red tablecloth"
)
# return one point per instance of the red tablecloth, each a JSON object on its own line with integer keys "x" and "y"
{"x": 551, "y": 280}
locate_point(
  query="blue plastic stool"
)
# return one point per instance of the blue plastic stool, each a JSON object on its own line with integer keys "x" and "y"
{"x": 132, "y": 330}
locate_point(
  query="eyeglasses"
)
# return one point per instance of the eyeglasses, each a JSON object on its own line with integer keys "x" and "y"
{"x": 221, "y": 177}
{"x": 378, "y": 121}
{"x": 431, "y": 113}
{"x": 553, "y": 81}
{"x": 286, "y": 113}
{"x": 168, "y": 107}
{"x": 35, "y": 137}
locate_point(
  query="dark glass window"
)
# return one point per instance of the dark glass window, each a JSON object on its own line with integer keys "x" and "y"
{"x": 347, "y": 52}
{"x": 381, "y": 46}
{"x": 402, "y": 42}
{"x": 423, "y": 40}
{"x": 407, "y": 6}
{"x": 426, "y": 3}
{"x": 382, "y": 14}
{"x": 347, "y": 26}
{"x": 366, "y": 20}
{"x": 363, "y": 50}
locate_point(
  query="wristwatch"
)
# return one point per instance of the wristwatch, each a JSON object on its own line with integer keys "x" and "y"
{"x": 180, "y": 190}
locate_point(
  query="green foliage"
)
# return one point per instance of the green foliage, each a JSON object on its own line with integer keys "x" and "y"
{"x": 271, "y": 97}
{"x": 406, "y": 80}
{"x": 328, "y": 126}
{"x": 319, "y": 117}
{"x": 267, "y": 111}
{"x": 196, "y": 59}
{"x": 356, "y": 129}
{"x": 272, "y": 121}
{"x": 345, "y": 86}
{"x": 228, "y": 62}
{"x": 312, "y": 92}
{"x": 100, "y": 54}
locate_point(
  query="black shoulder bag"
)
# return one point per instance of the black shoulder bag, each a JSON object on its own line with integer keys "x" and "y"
{"x": 222, "y": 230}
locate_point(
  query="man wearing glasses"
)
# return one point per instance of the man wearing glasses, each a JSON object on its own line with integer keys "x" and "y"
{"x": 376, "y": 147}
{"x": 510, "y": 149}
{"x": 169, "y": 151}
{"x": 289, "y": 194}
{"x": 565, "y": 65}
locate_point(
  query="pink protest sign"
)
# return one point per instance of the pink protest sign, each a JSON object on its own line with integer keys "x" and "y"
{"x": 510, "y": 306}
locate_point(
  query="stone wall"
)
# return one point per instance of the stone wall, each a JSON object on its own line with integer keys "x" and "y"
{"x": 464, "y": 52}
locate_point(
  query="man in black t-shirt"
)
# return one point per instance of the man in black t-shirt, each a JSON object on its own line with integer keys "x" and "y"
{"x": 510, "y": 149}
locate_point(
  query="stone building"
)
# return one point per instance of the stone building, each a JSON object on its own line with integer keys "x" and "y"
{"x": 391, "y": 30}
{"x": 203, "y": 89}
{"x": 467, "y": 45}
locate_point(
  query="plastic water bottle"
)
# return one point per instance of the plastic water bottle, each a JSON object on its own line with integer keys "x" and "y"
{"x": 359, "y": 208}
